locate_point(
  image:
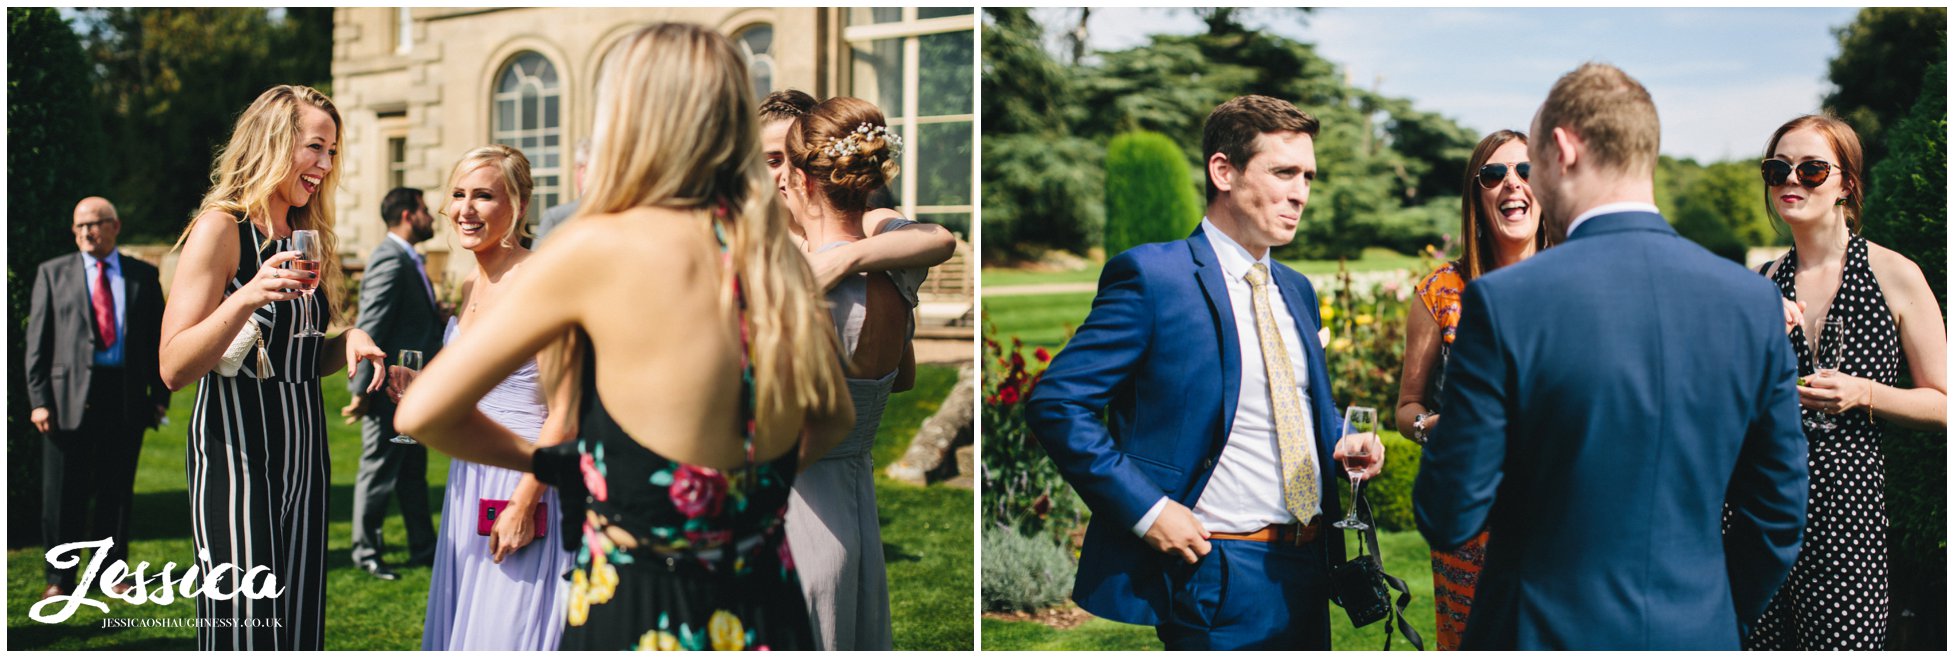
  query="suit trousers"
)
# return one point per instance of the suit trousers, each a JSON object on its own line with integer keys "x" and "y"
{"x": 1249, "y": 595}
{"x": 94, "y": 463}
{"x": 386, "y": 469}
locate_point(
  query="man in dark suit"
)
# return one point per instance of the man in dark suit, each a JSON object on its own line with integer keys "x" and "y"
{"x": 93, "y": 328}
{"x": 1607, "y": 401}
{"x": 1212, "y": 477}
{"x": 562, "y": 212}
{"x": 397, "y": 308}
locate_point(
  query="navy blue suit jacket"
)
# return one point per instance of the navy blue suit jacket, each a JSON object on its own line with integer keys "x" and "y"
{"x": 1159, "y": 357}
{"x": 1605, "y": 400}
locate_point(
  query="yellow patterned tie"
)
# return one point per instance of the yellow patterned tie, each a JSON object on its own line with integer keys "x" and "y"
{"x": 1299, "y": 486}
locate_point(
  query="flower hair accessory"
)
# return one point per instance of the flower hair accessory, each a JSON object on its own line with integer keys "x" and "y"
{"x": 852, "y": 144}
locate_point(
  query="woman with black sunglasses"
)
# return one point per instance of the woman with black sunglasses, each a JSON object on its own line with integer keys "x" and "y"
{"x": 1884, "y": 314}
{"x": 1499, "y": 225}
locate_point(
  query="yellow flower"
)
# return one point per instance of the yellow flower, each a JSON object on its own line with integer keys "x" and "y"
{"x": 1340, "y": 344}
{"x": 1364, "y": 319}
{"x": 603, "y": 583}
{"x": 726, "y": 632}
{"x": 657, "y": 640}
{"x": 1329, "y": 312}
{"x": 579, "y": 598}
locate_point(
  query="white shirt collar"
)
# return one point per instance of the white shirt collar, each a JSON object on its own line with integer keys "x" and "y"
{"x": 1234, "y": 257}
{"x": 1608, "y": 208}
{"x": 404, "y": 245}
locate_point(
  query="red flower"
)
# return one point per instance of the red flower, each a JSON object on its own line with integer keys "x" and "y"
{"x": 1017, "y": 359}
{"x": 698, "y": 491}
{"x": 593, "y": 480}
{"x": 1042, "y": 506}
{"x": 1008, "y": 396}
{"x": 1042, "y": 355}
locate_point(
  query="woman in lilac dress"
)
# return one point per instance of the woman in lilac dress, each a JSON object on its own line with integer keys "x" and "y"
{"x": 500, "y": 590}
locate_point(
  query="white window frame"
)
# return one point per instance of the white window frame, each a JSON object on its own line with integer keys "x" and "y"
{"x": 910, "y": 29}
{"x": 543, "y": 196}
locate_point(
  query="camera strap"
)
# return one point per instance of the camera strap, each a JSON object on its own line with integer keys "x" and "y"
{"x": 1369, "y": 540}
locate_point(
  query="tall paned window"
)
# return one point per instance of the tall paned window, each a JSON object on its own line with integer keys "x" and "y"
{"x": 756, "y": 42}
{"x": 918, "y": 65}
{"x": 396, "y": 162}
{"x": 529, "y": 116}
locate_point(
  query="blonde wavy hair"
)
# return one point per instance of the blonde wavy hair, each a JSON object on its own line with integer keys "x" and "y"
{"x": 516, "y": 182}
{"x": 677, "y": 128}
{"x": 259, "y": 158}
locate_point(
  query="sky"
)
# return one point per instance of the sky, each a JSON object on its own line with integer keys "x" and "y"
{"x": 1722, "y": 79}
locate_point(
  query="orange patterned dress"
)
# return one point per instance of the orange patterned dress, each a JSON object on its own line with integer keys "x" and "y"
{"x": 1455, "y": 573}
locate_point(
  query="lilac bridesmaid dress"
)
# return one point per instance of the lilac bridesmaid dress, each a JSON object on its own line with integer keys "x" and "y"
{"x": 472, "y": 602}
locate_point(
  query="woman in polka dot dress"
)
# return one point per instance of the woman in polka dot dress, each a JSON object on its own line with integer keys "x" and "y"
{"x": 1836, "y": 596}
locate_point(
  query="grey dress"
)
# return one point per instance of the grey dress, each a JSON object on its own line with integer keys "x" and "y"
{"x": 832, "y": 526}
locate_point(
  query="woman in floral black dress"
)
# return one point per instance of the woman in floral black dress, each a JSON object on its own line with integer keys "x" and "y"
{"x": 689, "y": 330}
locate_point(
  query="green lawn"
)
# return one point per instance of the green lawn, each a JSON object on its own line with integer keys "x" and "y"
{"x": 1039, "y": 320}
{"x": 1375, "y": 258}
{"x": 926, "y": 536}
{"x": 1405, "y": 556}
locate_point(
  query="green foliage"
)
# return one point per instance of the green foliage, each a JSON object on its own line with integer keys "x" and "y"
{"x": 1720, "y": 206}
{"x": 173, "y": 80}
{"x": 1041, "y": 184}
{"x": 1365, "y": 353}
{"x": 1024, "y": 573}
{"x": 1149, "y": 195}
{"x": 1877, "y": 73}
{"x": 1907, "y": 212}
{"x": 53, "y": 161}
{"x": 1022, "y": 486}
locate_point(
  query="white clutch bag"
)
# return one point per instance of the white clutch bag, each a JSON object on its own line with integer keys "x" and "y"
{"x": 248, "y": 340}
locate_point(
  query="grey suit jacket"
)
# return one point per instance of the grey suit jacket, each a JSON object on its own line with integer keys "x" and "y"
{"x": 396, "y": 311}
{"x": 61, "y": 341}
{"x": 553, "y": 218}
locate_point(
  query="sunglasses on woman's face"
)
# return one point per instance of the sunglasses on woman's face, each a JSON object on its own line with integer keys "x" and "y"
{"x": 1493, "y": 174}
{"x": 1811, "y": 173}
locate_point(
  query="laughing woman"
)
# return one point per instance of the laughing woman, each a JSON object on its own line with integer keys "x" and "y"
{"x": 1886, "y": 315}
{"x": 257, "y": 458}
{"x": 1500, "y": 226}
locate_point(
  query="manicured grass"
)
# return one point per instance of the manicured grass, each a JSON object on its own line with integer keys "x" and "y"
{"x": 1038, "y": 320}
{"x": 1405, "y": 556}
{"x": 1375, "y": 258}
{"x": 926, "y": 533}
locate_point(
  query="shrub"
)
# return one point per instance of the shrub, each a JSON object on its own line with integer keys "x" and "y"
{"x": 1022, "y": 486}
{"x": 1149, "y": 195}
{"x": 1024, "y": 573}
{"x": 1365, "y": 352}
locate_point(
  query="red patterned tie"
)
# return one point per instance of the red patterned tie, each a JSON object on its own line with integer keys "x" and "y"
{"x": 104, "y": 306}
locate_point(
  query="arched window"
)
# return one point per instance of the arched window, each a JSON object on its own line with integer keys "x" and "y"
{"x": 529, "y": 116}
{"x": 756, "y": 42}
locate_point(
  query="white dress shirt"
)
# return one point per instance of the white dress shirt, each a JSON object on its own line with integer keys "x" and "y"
{"x": 1607, "y": 208}
{"x": 1245, "y": 492}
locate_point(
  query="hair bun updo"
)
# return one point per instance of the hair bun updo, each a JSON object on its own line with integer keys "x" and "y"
{"x": 845, "y": 145}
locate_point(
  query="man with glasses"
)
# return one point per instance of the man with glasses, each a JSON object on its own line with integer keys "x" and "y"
{"x": 93, "y": 327}
{"x": 1619, "y": 411}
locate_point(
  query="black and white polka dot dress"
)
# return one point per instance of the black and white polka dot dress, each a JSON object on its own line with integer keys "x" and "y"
{"x": 1835, "y": 597}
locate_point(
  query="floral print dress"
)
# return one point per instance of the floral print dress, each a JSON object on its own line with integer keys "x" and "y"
{"x": 676, "y": 556}
{"x": 1455, "y": 573}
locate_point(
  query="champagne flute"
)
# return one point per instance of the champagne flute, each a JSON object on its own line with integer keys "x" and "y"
{"x": 409, "y": 360}
{"x": 1357, "y": 420}
{"x": 311, "y": 252}
{"x": 1827, "y": 359}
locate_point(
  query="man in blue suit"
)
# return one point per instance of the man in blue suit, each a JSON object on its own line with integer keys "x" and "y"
{"x": 1619, "y": 411}
{"x": 1211, "y": 476}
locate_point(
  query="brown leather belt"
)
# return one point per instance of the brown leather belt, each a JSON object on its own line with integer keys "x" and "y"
{"x": 1291, "y": 534}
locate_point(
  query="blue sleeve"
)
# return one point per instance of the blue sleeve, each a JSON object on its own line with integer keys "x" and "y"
{"x": 1461, "y": 468}
{"x": 1767, "y": 496}
{"x": 1065, "y": 409}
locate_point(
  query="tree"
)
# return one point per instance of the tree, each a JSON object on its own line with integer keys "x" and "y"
{"x": 1149, "y": 195}
{"x": 1876, "y": 76}
{"x": 1042, "y": 184}
{"x": 1907, "y": 212}
{"x": 52, "y": 162}
{"x": 173, "y": 81}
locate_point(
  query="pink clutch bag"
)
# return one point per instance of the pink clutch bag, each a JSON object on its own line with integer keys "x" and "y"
{"x": 487, "y": 511}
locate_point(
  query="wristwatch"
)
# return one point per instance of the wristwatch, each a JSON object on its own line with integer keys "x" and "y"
{"x": 1418, "y": 426}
